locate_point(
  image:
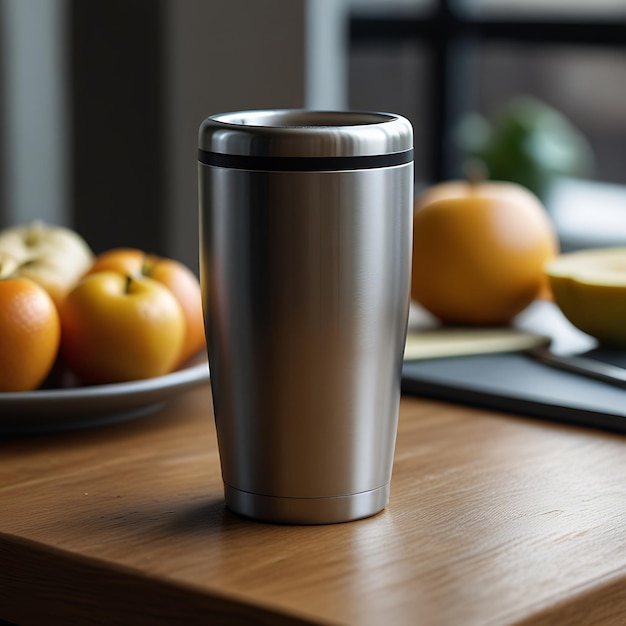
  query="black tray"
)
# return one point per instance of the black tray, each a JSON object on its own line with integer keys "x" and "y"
{"x": 518, "y": 383}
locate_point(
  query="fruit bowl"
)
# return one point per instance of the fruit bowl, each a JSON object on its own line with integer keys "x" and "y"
{"x": 589, "y": 286}
{"x": 69, "y": 407}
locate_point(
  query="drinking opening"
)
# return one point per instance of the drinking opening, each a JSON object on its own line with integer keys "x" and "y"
{"x": 303, "y": 119}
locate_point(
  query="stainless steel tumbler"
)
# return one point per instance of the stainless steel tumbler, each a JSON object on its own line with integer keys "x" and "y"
{"x": 305, "y": 239}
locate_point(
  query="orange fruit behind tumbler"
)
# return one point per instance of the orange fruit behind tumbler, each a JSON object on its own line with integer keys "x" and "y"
{"x": 479, "y": 251}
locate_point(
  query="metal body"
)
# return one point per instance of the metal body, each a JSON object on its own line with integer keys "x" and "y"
{"x": 306, "y": 280}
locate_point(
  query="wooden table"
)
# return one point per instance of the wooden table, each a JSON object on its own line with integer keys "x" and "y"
{"x": 494, "y": 519}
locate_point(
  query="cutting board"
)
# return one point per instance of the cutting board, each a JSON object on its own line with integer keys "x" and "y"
{"x": 512, "y": 380}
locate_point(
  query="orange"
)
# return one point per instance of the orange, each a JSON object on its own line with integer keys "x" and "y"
{"x": 479, "y": 251}
{"x": 176, "y": 276}
{"x": 30, "y": 332}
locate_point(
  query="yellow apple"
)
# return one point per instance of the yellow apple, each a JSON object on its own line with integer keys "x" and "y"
{"x": 178, "y": 278}
{"x": 55, "y": 257}
{"x": 117, "y": 328}
{"x": 589, "y": 286}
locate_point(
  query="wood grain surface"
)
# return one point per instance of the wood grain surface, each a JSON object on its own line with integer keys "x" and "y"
{"x": 493, "y": 519}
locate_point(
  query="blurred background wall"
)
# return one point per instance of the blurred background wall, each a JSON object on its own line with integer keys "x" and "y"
{"x": 33, "y": 111}
{"x": 100, "y": 100}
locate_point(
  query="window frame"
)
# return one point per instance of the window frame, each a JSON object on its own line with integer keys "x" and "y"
{"x": 447, "y": 35}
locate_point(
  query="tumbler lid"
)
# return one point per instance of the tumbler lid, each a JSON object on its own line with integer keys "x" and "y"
{"x": 300, "y": 133}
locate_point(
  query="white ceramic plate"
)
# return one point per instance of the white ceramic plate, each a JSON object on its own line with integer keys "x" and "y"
{"x": 48, "y": 410}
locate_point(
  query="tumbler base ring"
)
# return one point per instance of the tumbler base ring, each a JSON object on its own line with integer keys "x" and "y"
{"x": 326, "y": 510}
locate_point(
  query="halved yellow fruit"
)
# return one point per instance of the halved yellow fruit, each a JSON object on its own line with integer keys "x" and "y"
{"x": 589, "y": 286}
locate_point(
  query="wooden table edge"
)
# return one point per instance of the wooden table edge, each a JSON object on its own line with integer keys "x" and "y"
{"x": 43, "y": 584}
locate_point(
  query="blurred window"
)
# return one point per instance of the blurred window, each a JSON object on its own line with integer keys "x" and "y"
{"x": 565, "y": 9}
{"x": 437, "y": 60}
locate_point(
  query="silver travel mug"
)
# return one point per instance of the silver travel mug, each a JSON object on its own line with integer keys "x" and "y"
{"x": 305, "y": 243}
